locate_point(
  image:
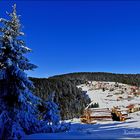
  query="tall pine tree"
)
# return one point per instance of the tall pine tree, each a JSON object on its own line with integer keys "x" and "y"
{"x": 18, "y": 105}
{"x": 19, "y": 112}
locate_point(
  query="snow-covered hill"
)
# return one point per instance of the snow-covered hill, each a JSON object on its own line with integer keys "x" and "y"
{"x": 107, "y": 95}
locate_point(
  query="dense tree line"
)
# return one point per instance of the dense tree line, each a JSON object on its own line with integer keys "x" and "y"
{"x": 70, "y": 99}
{"x": 81, "y": 77}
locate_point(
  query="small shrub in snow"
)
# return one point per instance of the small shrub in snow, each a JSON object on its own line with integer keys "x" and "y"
{"x": 95, "y": 105}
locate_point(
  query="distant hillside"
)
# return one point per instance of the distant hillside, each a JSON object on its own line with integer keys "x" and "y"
{"x": 81, "y": 77}
{"x": 72, "y": 100}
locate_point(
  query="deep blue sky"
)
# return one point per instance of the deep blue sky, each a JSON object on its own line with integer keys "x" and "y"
{"x": 70, "y": 36}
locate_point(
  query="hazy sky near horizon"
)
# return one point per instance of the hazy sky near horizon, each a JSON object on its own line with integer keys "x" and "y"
{"x": 80, "y": 36}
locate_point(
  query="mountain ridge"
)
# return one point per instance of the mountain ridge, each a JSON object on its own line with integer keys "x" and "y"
{"x": 132, "y": 79}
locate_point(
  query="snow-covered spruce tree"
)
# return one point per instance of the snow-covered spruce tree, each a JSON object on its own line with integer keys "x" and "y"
{"x": 18, "y": 106}
{"x": 52, "y": 113}
{"x": 50, "y": 116}
{"x": 19, "y": 113}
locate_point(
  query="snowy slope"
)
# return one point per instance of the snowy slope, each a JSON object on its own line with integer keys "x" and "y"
{"x": 103, "y": 129}
{"x": 109, "y": 98}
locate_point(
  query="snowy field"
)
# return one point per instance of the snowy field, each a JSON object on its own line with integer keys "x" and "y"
{"x": 103, "y": 129}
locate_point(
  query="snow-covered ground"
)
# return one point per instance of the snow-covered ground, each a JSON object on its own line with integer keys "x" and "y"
{"x": 103, "y": 129}
{"x": 109, "y": 98}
